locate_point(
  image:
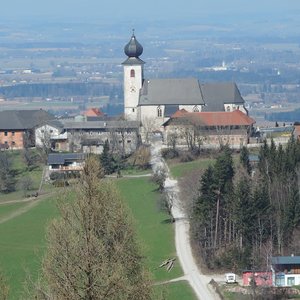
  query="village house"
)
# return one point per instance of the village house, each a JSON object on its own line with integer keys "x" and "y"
{"x": 17, "y": 127}
{"x": 208, "y": 129}
{"x": 89, "y": 136}
{"x": 64, "y": 162}
{"x": 286, "y": 270}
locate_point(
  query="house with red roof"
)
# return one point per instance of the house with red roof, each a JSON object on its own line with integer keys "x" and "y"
{"x": 93, "y": 112}
{"x": 209, "y": 129}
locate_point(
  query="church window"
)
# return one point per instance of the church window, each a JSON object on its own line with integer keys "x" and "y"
{"x": 132, "y": 73}
{"x": 159, "y": 111}
{"x": 195, "y": 109}
{"x": 228, "y": 108}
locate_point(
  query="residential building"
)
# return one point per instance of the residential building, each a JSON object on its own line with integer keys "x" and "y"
{"x": 17, "y": 127}
{"x": 208, "y": 129}
{"x": 63, "y": 162}
{"x": 286, "y": 270}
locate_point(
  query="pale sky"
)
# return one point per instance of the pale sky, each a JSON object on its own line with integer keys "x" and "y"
{"x": 83, "y": 10}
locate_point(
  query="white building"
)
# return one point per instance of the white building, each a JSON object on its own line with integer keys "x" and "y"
{"x": 153, "y": 101}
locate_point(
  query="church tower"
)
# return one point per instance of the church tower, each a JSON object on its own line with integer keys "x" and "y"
{"x": 133, "y": 78}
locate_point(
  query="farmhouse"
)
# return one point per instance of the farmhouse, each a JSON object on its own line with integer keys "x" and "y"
{"x": 17, "y": 127}
{"x": 208, "y": 129}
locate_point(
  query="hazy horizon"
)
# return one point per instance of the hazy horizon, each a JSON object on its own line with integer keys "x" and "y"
{"x": 133, "y": 10}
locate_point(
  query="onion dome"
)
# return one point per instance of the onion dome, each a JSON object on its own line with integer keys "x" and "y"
{"x": 133, "y": 48}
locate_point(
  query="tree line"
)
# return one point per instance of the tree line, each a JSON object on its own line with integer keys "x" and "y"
{"x": 61, "y": 89}
{"x": 244, "y": 214}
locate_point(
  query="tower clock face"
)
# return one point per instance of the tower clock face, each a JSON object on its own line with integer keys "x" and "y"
{"x": 132, "y": 89}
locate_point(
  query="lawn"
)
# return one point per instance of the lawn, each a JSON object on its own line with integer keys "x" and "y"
{"x": 154, "y": 230}
{"x": 6, "y": 209}
{"x": 22, "y": 243}
{"x": 180, "y": 169}
{"x": 179, "y": 291}
{"x": 22, "y": 239}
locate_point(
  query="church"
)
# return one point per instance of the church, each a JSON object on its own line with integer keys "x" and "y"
{"x": 156, "y": 100}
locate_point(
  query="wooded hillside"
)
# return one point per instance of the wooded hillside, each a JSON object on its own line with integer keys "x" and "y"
{"x": 244, "y": 214}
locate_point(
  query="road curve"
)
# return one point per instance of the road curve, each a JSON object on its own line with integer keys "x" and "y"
{"x": 193, "y": 275}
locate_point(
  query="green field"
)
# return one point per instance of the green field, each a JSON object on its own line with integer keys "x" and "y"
{"x": 22, "y": 242}
{"x": 153, "y": 227}
{"x": 180, "y": 169}
{"x": 7, "y": 209}
{"x": 22, "y": 239}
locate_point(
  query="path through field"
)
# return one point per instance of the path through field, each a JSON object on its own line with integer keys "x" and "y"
{"x": 192, "y": 274}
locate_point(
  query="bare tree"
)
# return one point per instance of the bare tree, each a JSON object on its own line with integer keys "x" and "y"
{"x": 92, "y": 251}
{"x": 4, "y": 288}
{"x": 149, "y": 125}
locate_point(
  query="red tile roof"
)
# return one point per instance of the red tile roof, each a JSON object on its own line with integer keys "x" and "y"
{"x": 179, "y": 113}
{"x": 234, "y": 118}
{"x": 93, "y": 112}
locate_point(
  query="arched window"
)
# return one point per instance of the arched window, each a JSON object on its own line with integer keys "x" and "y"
{"x": 228, "y": 108}
{"x": 159, "y": 111}
{"x": 196, "y": 108}
{"x": 132, "y": 73}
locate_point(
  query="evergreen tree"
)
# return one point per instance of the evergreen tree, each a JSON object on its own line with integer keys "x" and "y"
{"x": 244, "y": 211}
{"x": 244, "y": 159}
{"x": 107, "y": 160}
{"x": 203, "y": 215}
{"x": 92, "y": 250}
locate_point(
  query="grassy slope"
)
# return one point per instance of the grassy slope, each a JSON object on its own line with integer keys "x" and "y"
{"x": 180, "y": 169}
{"x": 156, "y": 235}
{"x": 6, "y": 209}
{"x": 22, "y": 243}
{"x": 153, "y": 230}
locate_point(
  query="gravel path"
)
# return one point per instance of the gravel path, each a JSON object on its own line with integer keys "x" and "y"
{"x": 192, "y": 274}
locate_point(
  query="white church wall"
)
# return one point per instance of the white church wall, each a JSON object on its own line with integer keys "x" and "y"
{"x": 232, "y": 107}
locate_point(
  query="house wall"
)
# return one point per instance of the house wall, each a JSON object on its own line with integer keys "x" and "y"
{"x": 235, "y": 138}
{"x": 43, "y": 135}
{"x": 14, "y": 139}
{"x": 261, "y": 278}
{"x": 292, "y": 279}
{"x": 79, "y": 140}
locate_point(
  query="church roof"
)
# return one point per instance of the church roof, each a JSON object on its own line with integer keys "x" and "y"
{"x": 217, "y": 94}
{"x": 188, "y": 91}
{"x": 171, "y": 92}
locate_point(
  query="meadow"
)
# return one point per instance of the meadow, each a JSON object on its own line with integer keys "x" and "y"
{"x": 22, "y": 238}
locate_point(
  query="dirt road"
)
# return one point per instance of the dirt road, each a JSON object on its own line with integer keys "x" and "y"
{"x": 192, "y": 274}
